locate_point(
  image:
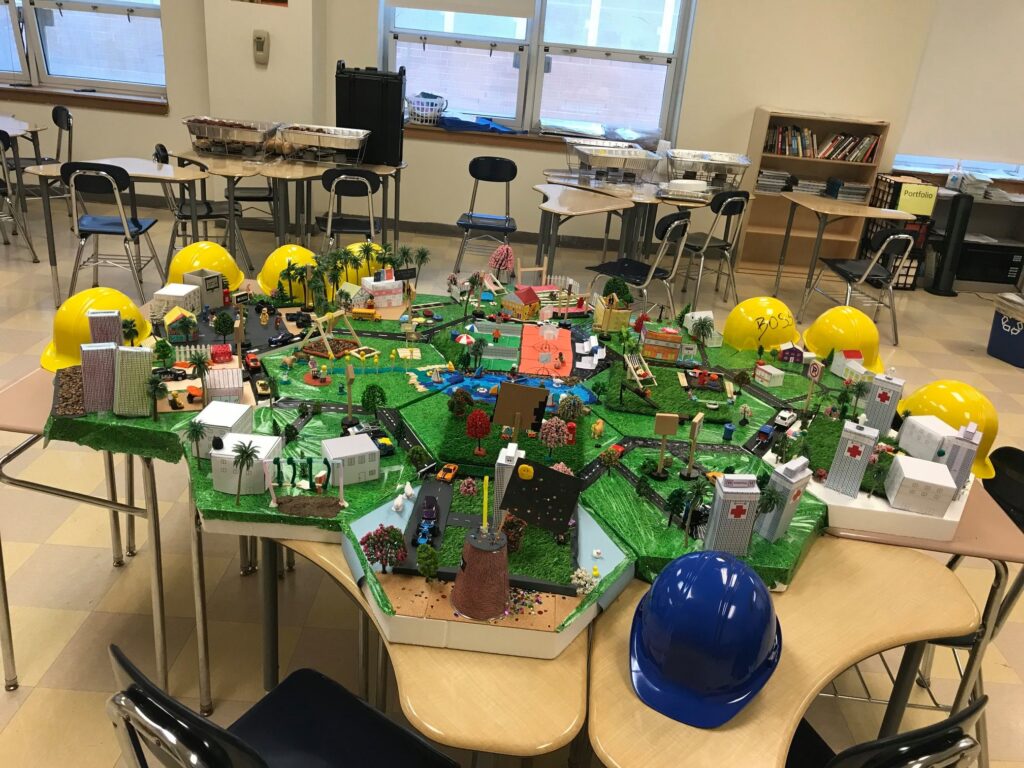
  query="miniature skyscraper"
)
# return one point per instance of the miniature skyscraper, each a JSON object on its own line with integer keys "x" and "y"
{"x": 105, "y": 326}
{"x": 880, "y": 406}
{"x": 503, "y": 469}
{"x": 961, "y": 451}
{"x": 790, "y": 479}
{"x": 134, "y": 366}
{"x": 98, "y": 362}
{"x": 851, "y": 459}
{"x": 733, "y": 512}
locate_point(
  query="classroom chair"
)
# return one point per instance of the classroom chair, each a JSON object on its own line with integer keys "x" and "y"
{"x": 493, "y": 227}
{"x": 354, "y": 183}
{"x": 64, "y": 123}
{"x": 729, "y": 208}
{"x": 860, "y": 274}
{"x": 307, "y": 720}
{"x": 9, "y": 210}
{"x": 946, "y": 744}
{"x": 671, "y": 230}
{"x": 102, "y": 179}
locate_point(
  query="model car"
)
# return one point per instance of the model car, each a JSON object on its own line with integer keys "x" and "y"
{"x": 252, "y": 363}
{"x": 785, "y": 418}
{"x": 689, "y": 363}
{"x": 262, "y": 387}
{"x": 429, "y": 508}
{"x": 387, "y": 448}
{"x": 259, "y": 306}
{"x": 282, "y": 339}
{"x": 171, "y": 374}
{"x": 447, "y": 473}
{"x": 425, "y": 532}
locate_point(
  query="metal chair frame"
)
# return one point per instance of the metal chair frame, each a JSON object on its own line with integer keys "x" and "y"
{"x": 723, "y": 254}
{"x": 132, "y": 261}
{"x": 858, "y": 288}
{"x": 331, "y": 184}
{"x": 9, "y": 210}
{"x": 466, "y": 235}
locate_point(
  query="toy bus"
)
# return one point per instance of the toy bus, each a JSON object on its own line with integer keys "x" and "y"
{"x": 366, "y": 313}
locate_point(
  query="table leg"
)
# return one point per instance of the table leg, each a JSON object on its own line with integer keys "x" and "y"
{"x": 307, "y": 228}
{"x": 156, "y": 579}
{"x": 988, "y": 627}
{"x": 19, "y": 178}
{"x": 300, "y": 205}
{"x": 268, "y": 585}
{"x": 1012, "y": 595}
{"x": 51, "y": 249}
{"x": 815, "y": 253}
{"x": 115, "y": 519}
{"x": 199, "y": 596}
{"x": 651, "y": 217}
{"x": 398, "y": 205}
{"x": 555, "y": 222}
{"x": 384, "y": 184}
{"x": 542, "y": 232}
{"x": 897, "y": 705}
{"x": 129, "y": 492}
{"x": 194, "y": 207}
{"x": 6, "y": 638}
{"x": 785, "y": 247}
{"x": 231, "y": 181}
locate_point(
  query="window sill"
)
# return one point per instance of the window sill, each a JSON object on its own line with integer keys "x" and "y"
{"x": 150, "y": 105}
{"x": 516, "y": 140}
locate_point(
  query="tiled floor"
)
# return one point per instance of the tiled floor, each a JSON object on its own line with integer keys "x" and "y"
{"x": 69, "y": 603}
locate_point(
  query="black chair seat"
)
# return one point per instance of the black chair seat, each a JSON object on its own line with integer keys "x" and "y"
{"x": 309, "y": 721}
{"x": 205, "y": 210}
{"x": 253, "y": 195}
{"x": 632, "y": 271}
{"x": 486, "y": 222}
{"x": 696, "y": 241}
{"x": 111, "y": 225}
{"x": 353, "y": 225}
{"x": 853, "y": 270}
{"x": 808, "y": 749}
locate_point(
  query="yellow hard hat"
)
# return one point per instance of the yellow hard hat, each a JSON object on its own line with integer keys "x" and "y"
{"x": 71, "y": 325}
{"x": 760, "y": 322}
{"x": 205, "y": 255}
{"x": 842, "y": 328}
{"x": 958, "y": 404}
{"x": 276, "y": 263}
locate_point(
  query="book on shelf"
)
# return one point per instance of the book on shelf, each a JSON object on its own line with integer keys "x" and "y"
{"x": 797, "y": 141}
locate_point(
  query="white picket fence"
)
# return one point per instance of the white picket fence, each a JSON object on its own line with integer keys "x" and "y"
{"x": 185, "y": 351}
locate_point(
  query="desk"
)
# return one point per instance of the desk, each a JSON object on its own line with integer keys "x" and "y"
{"x": 849, "y": 600}
{"x": 139, "y": 170}
{"x": 562, "y": 203}
{"x": 19, "y": 129}
{"x": 486, "y": 703}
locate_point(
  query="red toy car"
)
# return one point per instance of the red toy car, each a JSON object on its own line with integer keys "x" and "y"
{"x": 252, "y": 363}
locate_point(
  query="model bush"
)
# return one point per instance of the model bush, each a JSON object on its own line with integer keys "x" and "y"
{"x": 620, "y": 288}
{"x": 374, "y": 398}
{"x": 467, "y": 486}
{"x": 643, "y": 486}
{"x": 564, "y": 468}
{"x": 460, "y": 403}
{"x": 570, "y": 408}
{"x": 384, "y": 545}
{"x": 514, "y": 528}
{"x": 427, "y": 561}
{"x": 418, "y": 456}
{"x": 583, "y": 581}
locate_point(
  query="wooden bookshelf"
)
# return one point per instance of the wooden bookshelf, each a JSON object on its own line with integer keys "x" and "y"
{"x": 766, "y": 218}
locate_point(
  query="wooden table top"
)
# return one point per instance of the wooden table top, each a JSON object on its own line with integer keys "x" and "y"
{"x": 16, "y": 127}
{"x": 138, "y": 168}
{"x": 848, "y": 601}
{"x": 26, "y": 403}
{"x": 276, "y": 168}
{"x": 509, "y": 705}
{"x": 569, "y": 201}
{"x": 985, "y": 531}
{"x": 832, "y": 207}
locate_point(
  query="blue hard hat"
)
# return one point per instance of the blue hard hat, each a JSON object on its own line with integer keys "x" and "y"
{"x": 705, "y": 639}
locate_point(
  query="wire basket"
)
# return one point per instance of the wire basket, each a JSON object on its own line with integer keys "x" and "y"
{"x": 624, "y": 158}
{"x": 721, "y": 170}
{"x": 572, "y": 159}
{"x": 425, "y": 109}
{"x": 219, "y": 136}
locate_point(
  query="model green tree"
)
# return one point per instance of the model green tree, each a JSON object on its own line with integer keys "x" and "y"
{"x": 740, "y": 379}
{"x": 783, "y": 448}
{"x": 291, "y": 433}
{"x": 874, "y": 477}
{"x": 859, "y": 389}
{"x": 463, "y": 361}
{"x": 224, "y": 325}
{"x": 474, "y": 281}
{"x": 642, "y": 487}
{"x": 420, "y": 259}
{"x": 702, "y": 329}
{"x": 245, "y": 456}
{"x": 418, "y": 456}
{"x": 477, "y": 350}
{"x": 460, "y": 403}
{"x": 367, "y": 255}
{"x": 570, "y": 408}
{"x": 374, "y": 398}
{"x": 157, "y": 390}
{"x": 675, "y": 505}
{"x": 384, "y": 545}
{"x": 288, "y": 274}
{"x": 130, "y": 331}
{"x": 620, "y": 288}
{"x": 608, "y": 458}
{"x": 195, "y": 431}
{"x": 427, "y": 561}
{"x": 697, "y": 495}
{"x": 164, "y": 352}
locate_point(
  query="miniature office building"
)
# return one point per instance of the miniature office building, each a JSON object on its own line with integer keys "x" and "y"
{"x": 98, "y": 362}
{"x": 133, "y": 367}
{"x": 177, "y": 295}
{"x": 921, "y": 486}
{"x": 768, "y": 376}
{"x": 105, "y": 326}
{"x": 660, "y": 344}
{"x": 924, "y": 436}
{"x": 790, "y": 479}
{"x": 733, "y": 512}
{"x": 356, "y": 458}
{"x": 254, "y": 479}
{"x": 851, "y": 460}
{"x": 220, "y": 419}
{"x": 224, "y": 384}
{"x": 880, "y": 406}
{"x": 503, "y": 468}
{"x": 961, "y": 451}
{"x": 211, "y": 287}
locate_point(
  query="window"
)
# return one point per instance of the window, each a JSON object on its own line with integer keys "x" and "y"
{"x": 608, "y": 67}
{"x": 112, "y": 46}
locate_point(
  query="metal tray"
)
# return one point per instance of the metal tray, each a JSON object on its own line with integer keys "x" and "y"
{"x": 223, "y": 131}
{"x": 617, "y": 157}
{"x": 324, "y": 136}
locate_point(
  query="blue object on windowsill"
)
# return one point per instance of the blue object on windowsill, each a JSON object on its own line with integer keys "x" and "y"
{"x": 457, "y": 122}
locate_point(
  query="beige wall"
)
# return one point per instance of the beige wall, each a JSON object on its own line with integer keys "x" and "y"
{"x": 967, "y": 103}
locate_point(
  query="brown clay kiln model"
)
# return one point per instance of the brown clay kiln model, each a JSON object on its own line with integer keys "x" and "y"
{"x": 481, "y": 584}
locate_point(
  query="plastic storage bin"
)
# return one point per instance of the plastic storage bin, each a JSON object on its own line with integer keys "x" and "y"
{"x": 1006, "y": 340}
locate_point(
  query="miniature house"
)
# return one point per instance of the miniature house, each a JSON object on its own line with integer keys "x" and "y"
{"x": 856, "y": 444}
{"x": 174, "y": 295}
{"x": 385, "y": 293}
{"x": 254, "y": 479}
{"x": 733, "y": 512}
{"x": 660, "y": 344}
{"x": 221, "y": 354}
{"x": 356, "y": 458}
{"x": 921, "y": 486}
{"x": 609, "y": 315}
{"x": 224, "y": 385}
{"x": 768, "y": 376}
{"x": 180, "y": 325}
{"x": 98, "y": 364}
{"x": 842, "y": 359}
{"x": 923, "y": 436}
{"x": 210, "y": 284}
{"x": 220, "y": 419}
{"x": 523, "y": 304}
{"x": 105, "y": 326}
{"x": 790, "y": 480}
{"x": 790, "y": 353}
{"x": 133, "y": 367}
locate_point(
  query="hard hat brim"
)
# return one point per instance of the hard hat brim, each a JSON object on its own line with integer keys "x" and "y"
{"x": 682, "y": 704}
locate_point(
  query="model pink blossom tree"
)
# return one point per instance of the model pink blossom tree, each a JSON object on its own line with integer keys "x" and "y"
{"x": 501, "y": 260}
{"x": 553, "y": 434}
{"x": 468, "y": 487}
{"x": 563, "y": 468}
{"x": 384, "y": 545}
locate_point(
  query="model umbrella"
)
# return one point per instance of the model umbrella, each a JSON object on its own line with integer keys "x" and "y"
{"x": 464, "y": 338}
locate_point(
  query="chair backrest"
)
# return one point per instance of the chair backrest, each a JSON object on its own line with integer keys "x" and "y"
{"x": 162, "y": 155}
{"x": 351, "y": 182}
{"x": 496, "y": 170}
{"x": 101, "y": 179}
{"x": 671, "y": 229}
{"x": 65, "y": 124}
{"x": 730, "y": 203}
{"x": 893, "y": 242}
{"x": 142, "y": 714}
{"x": 942, "y": 745}
{"x": 1007, "y": 487}
{"x": 5, "y": 147}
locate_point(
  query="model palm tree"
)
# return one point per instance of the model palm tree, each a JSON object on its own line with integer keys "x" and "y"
{"x": 698, "y": 494}
{"x": 245, "y": 456}
{"x": 201, "y": 366}
{"x": 367, "y": 254}
{"x": 630, "y": 344}
{"x": 474, "y": 281}
{"x": 404, "y": 256}
{"x": 770, "y": 500}
{"x": 156, "y": 389}
{"x": 194, "y": 432}
{"x": 420, "y": 259}
{"x": 386, "y": 257}
{"x": 288, "y": 273}
{"x": 858, "y": 390}
{"x": 702, "y": 330}
{"x": 130, "y": 331}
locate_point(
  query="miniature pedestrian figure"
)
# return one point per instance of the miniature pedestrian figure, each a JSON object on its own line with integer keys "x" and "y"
{"x": 495, "y": 335}
{"x": 277, "y": 322}
{"x": 341, "y": 388}
{"x": 174, "y": 400}
{"x": 323, "y": 372}
{"x": 264, "y": 317}
{"x": 285, "y": 376}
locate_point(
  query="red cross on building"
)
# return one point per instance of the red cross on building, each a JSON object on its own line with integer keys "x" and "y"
{"x": 798, "y": 493}
{"x": 884, "y": 397}
{"x": 854, "y": 450}
{"x": 738, "y": 512}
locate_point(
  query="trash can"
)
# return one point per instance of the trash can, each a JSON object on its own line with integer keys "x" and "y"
{"x": 1006, "y": 340}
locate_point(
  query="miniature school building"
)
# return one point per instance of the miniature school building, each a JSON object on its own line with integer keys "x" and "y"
{"x": 733, "y": 512}
{"x": 98, "y": 363}
{"x": 921, "y": 486}
{"x": 356, "y": 458}
{"x": 768, "y": 376}
{"x": 133, "y": 367}
{"x": 254, "y": 479}
{"x": 660, "y": 344}
{"x": 180, "y": 326}
{"x": 790, "y": 480}
{"x": 384, "y": 293}
{"x": 523, "y": 304}
{"x": 105, "y": 326}
{"x": 176, "y": 295}
{"x": 224, "y": 385}
{"x": 220, "y": 419}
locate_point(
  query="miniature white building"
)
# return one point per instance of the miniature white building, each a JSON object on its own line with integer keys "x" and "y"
{"x": 211, "y": 287}
{"x": 220, "y": 419}
{"x": 98, "y": 364}
{"x": 385, "y": 293}
{"x": 173, "y": 295}
{"x": 768, "y": 376}
{"x": 254, "y": 479}
{"x": 133, "y": 367}
{"x": 790, "y": 479}
{"x": 851, "y": 460}
{"x": 849, "y": 364}
{"x": 923, "y": 436}
{"x": 880, "y": 406}
{"x": 224, "y": 384}
{"x": 690, "y": 317}
{"x": 921, "y": 486}
{"x": 960, "y": 452}
{"x": 503, "y": 468}
{"x": 105, "y": 326}
{"x": 356, "y": 458}
{"x": 733, "y": 512}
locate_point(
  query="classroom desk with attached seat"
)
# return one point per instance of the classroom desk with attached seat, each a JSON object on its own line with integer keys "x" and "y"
{"x": 562, "y": 203}
{"x": 848, "y": 601}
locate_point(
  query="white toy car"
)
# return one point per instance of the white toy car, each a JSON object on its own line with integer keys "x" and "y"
{"x": 785, "y": 418}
